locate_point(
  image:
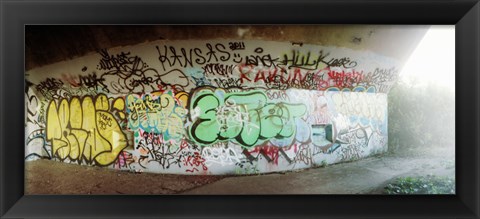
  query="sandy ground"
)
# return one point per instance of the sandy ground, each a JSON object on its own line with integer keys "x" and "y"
{"x": 366, "y": 176}
{"x": 51, "y": 177}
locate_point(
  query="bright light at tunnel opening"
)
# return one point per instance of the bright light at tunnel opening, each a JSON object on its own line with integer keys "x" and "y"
{"x": 433, "y": 61}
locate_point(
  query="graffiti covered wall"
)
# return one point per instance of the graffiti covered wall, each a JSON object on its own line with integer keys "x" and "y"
{"x": 210, "y": 107}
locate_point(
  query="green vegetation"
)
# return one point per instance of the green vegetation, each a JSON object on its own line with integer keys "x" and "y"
{"x": 422, "y": 185}
{"x": 421, "y": 121}
{"x": 324, "y": 163}
{"x": 421, "y": 118}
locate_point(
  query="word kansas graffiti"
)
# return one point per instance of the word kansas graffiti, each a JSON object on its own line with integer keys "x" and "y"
{"x": 84, "y": 130}
{"x": 245, "y": 117}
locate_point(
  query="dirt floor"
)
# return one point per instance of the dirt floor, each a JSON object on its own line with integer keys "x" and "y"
{"x": 51, "y": 177}
{"x": 366, "y": 176}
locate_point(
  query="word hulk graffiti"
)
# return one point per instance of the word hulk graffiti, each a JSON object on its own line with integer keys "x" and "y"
{"x": 85, "y": 130}
{"x": 244, "y": 116}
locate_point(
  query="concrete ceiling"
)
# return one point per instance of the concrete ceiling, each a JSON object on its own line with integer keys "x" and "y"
{"x": 49, "y": 44}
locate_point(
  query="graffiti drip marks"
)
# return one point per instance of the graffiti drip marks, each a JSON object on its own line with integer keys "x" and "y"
{"x": 84, "y": 130}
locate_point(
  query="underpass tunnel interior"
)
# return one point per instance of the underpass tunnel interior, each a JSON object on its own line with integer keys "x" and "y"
{"x": 211, "y": 99}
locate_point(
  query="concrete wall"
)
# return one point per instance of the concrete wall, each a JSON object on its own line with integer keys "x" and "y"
{"x": 211, "y": 106}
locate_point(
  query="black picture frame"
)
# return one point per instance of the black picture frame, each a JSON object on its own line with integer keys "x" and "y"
{"x": 465, "y": 15}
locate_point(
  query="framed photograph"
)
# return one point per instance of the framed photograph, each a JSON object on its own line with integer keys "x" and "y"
{"x": 240, "y": 109}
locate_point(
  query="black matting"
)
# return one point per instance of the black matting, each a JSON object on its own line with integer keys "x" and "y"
{"x": 14, "y": 15}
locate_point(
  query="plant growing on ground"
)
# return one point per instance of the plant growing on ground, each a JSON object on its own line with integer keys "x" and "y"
{"x": 324, "y": 163}
{"x": 422, "y": 185}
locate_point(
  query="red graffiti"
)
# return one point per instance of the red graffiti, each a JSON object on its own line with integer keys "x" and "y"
{"x": 243, "y": 74}
{"x": 151, "y": 137}
{"x": 194, "y": 161}
{"x": 302, "y": 78}
{"x": 184, "y": 144}
{"x": 271, "y": 153}
{"x": 345, "y": 79}
{"x": 124, "y": 160}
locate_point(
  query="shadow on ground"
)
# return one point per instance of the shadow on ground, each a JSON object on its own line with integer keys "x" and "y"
{"x": 366, "y": 176}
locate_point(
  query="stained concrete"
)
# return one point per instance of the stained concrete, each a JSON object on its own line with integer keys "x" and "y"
{"x": 366, "y": 176}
